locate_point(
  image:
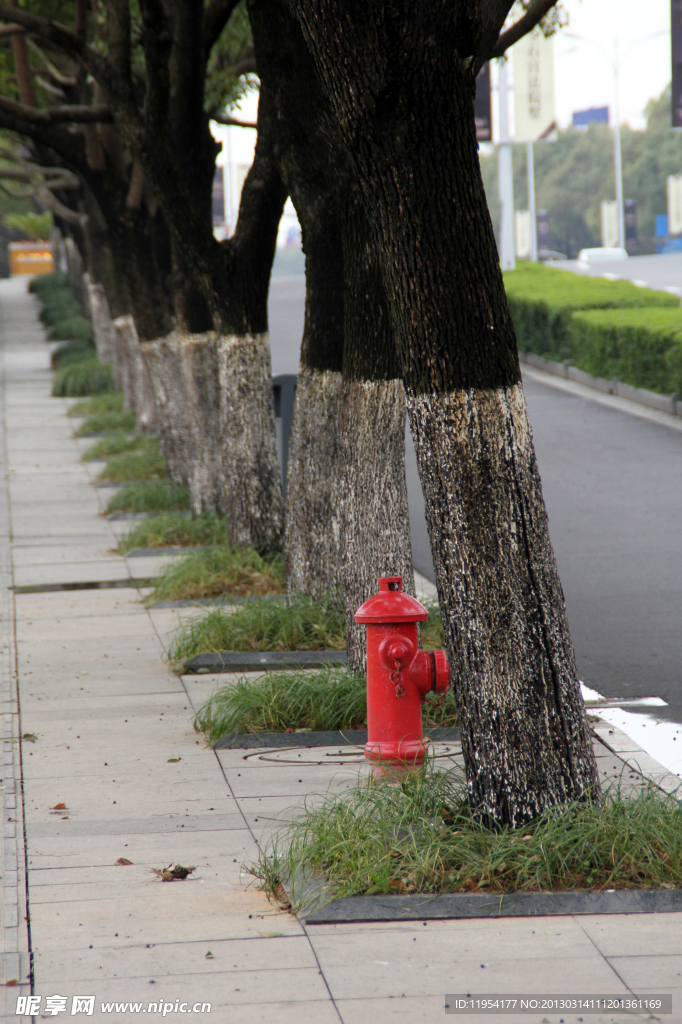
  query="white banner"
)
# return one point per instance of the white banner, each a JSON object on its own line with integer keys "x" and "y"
{"x": 524, "y": 240}
{"x": 533, "y": 88}
{"x": 610, "y": 238}
{"x": 674, "y": 190}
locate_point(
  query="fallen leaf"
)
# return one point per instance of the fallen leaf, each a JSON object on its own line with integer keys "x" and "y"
{"x": 172, "y": 760}
{"x": 173, "y": 874}
{"x": 397, "y": 885}
{"x": 209, "y": 956}
{"x": 271, "y": 935}
{"x": 59, "y": 807}
{"x": 30, "y": 736}
{"x": 123, "y": 860}
{"x": 12, "y": 983}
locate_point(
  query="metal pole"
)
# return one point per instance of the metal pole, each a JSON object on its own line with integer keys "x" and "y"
{"x": 617, "y": 155}
{"x": 530, "y": 165}
{"x": 506, "y": 179}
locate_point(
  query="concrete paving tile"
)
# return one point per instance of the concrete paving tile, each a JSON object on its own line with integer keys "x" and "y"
{"x": 56, "y": 855}
{"x": 64, "y": 762}
{"x": 167, "y": 959}
{"x": 428, "y": 1008}
{"x": 97, "y": 534}
{"x": 56, "y": 554}
{"x": 658, "y": 934}
{"x": 111, "y": 649}
{"x": 653, "y": 970}
{"x": 114, "y": 704}
{"x": 44, "y": 683}
{"x": 74, "y": 603}
{"x": 168, "y": 824}
{"x": 70, "y": 572}
{"x": 142, "y": 566}
{"x": 474, "y": 940}
{"x": 290, "y": 780}
{"x": 417, "y": 978}
{"x": 310, "y": 1012}
{"x": 178, "y": 912}
{"x": 134, "y": 624}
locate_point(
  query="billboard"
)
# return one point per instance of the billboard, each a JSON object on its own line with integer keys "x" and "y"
{"x": 482, "y": 109}
{"x": 523, "y": 230}
{"x": 595, "y": 115}
{"x": 676, "y": 46}
{"x": 533, "y": 87}
{"x": 610, "y": 235}
{"x": 674, "y": 192}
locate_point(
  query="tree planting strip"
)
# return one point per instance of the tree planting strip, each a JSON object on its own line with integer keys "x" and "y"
{"x": 251, "y": 661}
{"x": 345, "y": 737}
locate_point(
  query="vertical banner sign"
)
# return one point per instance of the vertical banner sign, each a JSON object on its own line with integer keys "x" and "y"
{"x": 524, "y": 241}
{"x": 609, "y": 224}
{"x": 482, "y": 108}
{"x": 674, "y": 190}
{"x": 676, "y": 45}
{"x": 534, "y": 88}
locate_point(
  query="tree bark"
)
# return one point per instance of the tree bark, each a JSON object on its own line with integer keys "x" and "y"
{"x": 102, "y": 324}
{"x": 164, "y": 362}
{"x": 374, "y": 520}
{"x": 312, "y": 517}
{"x": 401, "y": 85}
{"x": 140, "y": 395}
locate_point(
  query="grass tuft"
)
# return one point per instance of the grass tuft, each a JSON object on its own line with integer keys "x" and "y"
{"x": 116, "y": 444}
{"x": 417, "y": 833}
{"x": 324, "y": 700}
{"x": 211, "y": 572}
{"x": 300, "y": 625}
{"x": 150, "y": 496}
{"x": 100, "y": 422}
{"x": 83, "y": 377}
{"x": 140, "y": 465}
{"x": 173, "y": 530}
{"x": 72, "y": 352}
{"x": 109, "y": 402}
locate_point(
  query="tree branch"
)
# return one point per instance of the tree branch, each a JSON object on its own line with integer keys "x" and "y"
{"x": 56, "y": 115}
{"x": 11, "y": 30}
{"x": 533, "y": 16}
{"x": 63, "y": 38}
{"x": 226, "y": 119}
{"x": 216, "y": 16}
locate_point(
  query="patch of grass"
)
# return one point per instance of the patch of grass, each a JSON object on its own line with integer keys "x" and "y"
{"x": 100, "y": 422}
{"x": 210, "y": 572}
{"x": 72, "y": 352}
{"x": 83, "y": 377}
{"x": 71, "y": 328}
{"x": 416, "y": 833}
{"x": 140, "y": 465}
{"x": 172, "y": 530}
{"x": 431, "y": 632}
{"x": 300, "y": 625}
{"x": 150, "y": 496}
{"x": 44, "y": 283}
{"x": 326, "y": 699}
{"x": 109, "y": 402}
{"x": 116, "y": 444}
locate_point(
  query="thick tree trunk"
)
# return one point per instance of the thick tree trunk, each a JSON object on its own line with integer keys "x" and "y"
{"x": 102, "y": 324}
{"x": 163, "y": 359}
{"x": 201, "y": 384}
{"x": 312, "y": 519}
{"x": 140, "y": 396}
{"x": 404, "y": 111}
{"x": 375, "y": 527}
{"x": 125, "y": 362}
{"x": 252, "y": 492}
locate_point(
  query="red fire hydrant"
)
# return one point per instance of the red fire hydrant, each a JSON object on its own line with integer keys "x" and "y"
{"x": 399, "y": 675}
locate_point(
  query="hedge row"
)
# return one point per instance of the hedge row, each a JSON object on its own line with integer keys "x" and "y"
{"x": 607, "y": 328}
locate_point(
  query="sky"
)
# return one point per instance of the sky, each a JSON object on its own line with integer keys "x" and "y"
{"x": 583, "y": 73}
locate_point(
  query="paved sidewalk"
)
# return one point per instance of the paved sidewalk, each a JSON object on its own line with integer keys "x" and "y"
{"x": 116, "y": 748}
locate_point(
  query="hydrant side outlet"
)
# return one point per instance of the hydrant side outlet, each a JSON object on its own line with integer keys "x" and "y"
{"x": 399, "y": 675}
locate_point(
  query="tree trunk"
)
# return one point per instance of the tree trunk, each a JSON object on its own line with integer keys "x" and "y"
{"x": 312, "y": 519}
{"x": 102, "y": 324}
{"x": 124, "y": 362}
{"x": 375, "y": 525}
{"x": 404, "y": 111}
{"x": 163, "y": 359}
{"x": 252, "y": 491}
{"x": 141, "y": 397}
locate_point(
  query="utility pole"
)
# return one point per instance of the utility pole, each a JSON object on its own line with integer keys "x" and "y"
{"x": 505, "y": 176}
{"x": 618, "y": 160}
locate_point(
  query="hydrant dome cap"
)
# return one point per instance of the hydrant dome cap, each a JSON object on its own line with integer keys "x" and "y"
{"x": 391, "y": 604}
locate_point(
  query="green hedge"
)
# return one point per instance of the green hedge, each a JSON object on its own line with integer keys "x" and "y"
{"x": 642, "y": 347}
{"x": 543, "y": 300}
{"x": 83, "y": 377}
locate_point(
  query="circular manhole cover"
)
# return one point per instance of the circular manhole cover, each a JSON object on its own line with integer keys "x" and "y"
{"x": 338, "y": 755}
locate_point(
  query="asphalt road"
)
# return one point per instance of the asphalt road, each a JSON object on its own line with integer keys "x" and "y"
{"x": 662, "y": 272}
{"x": 613, "y": 489}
